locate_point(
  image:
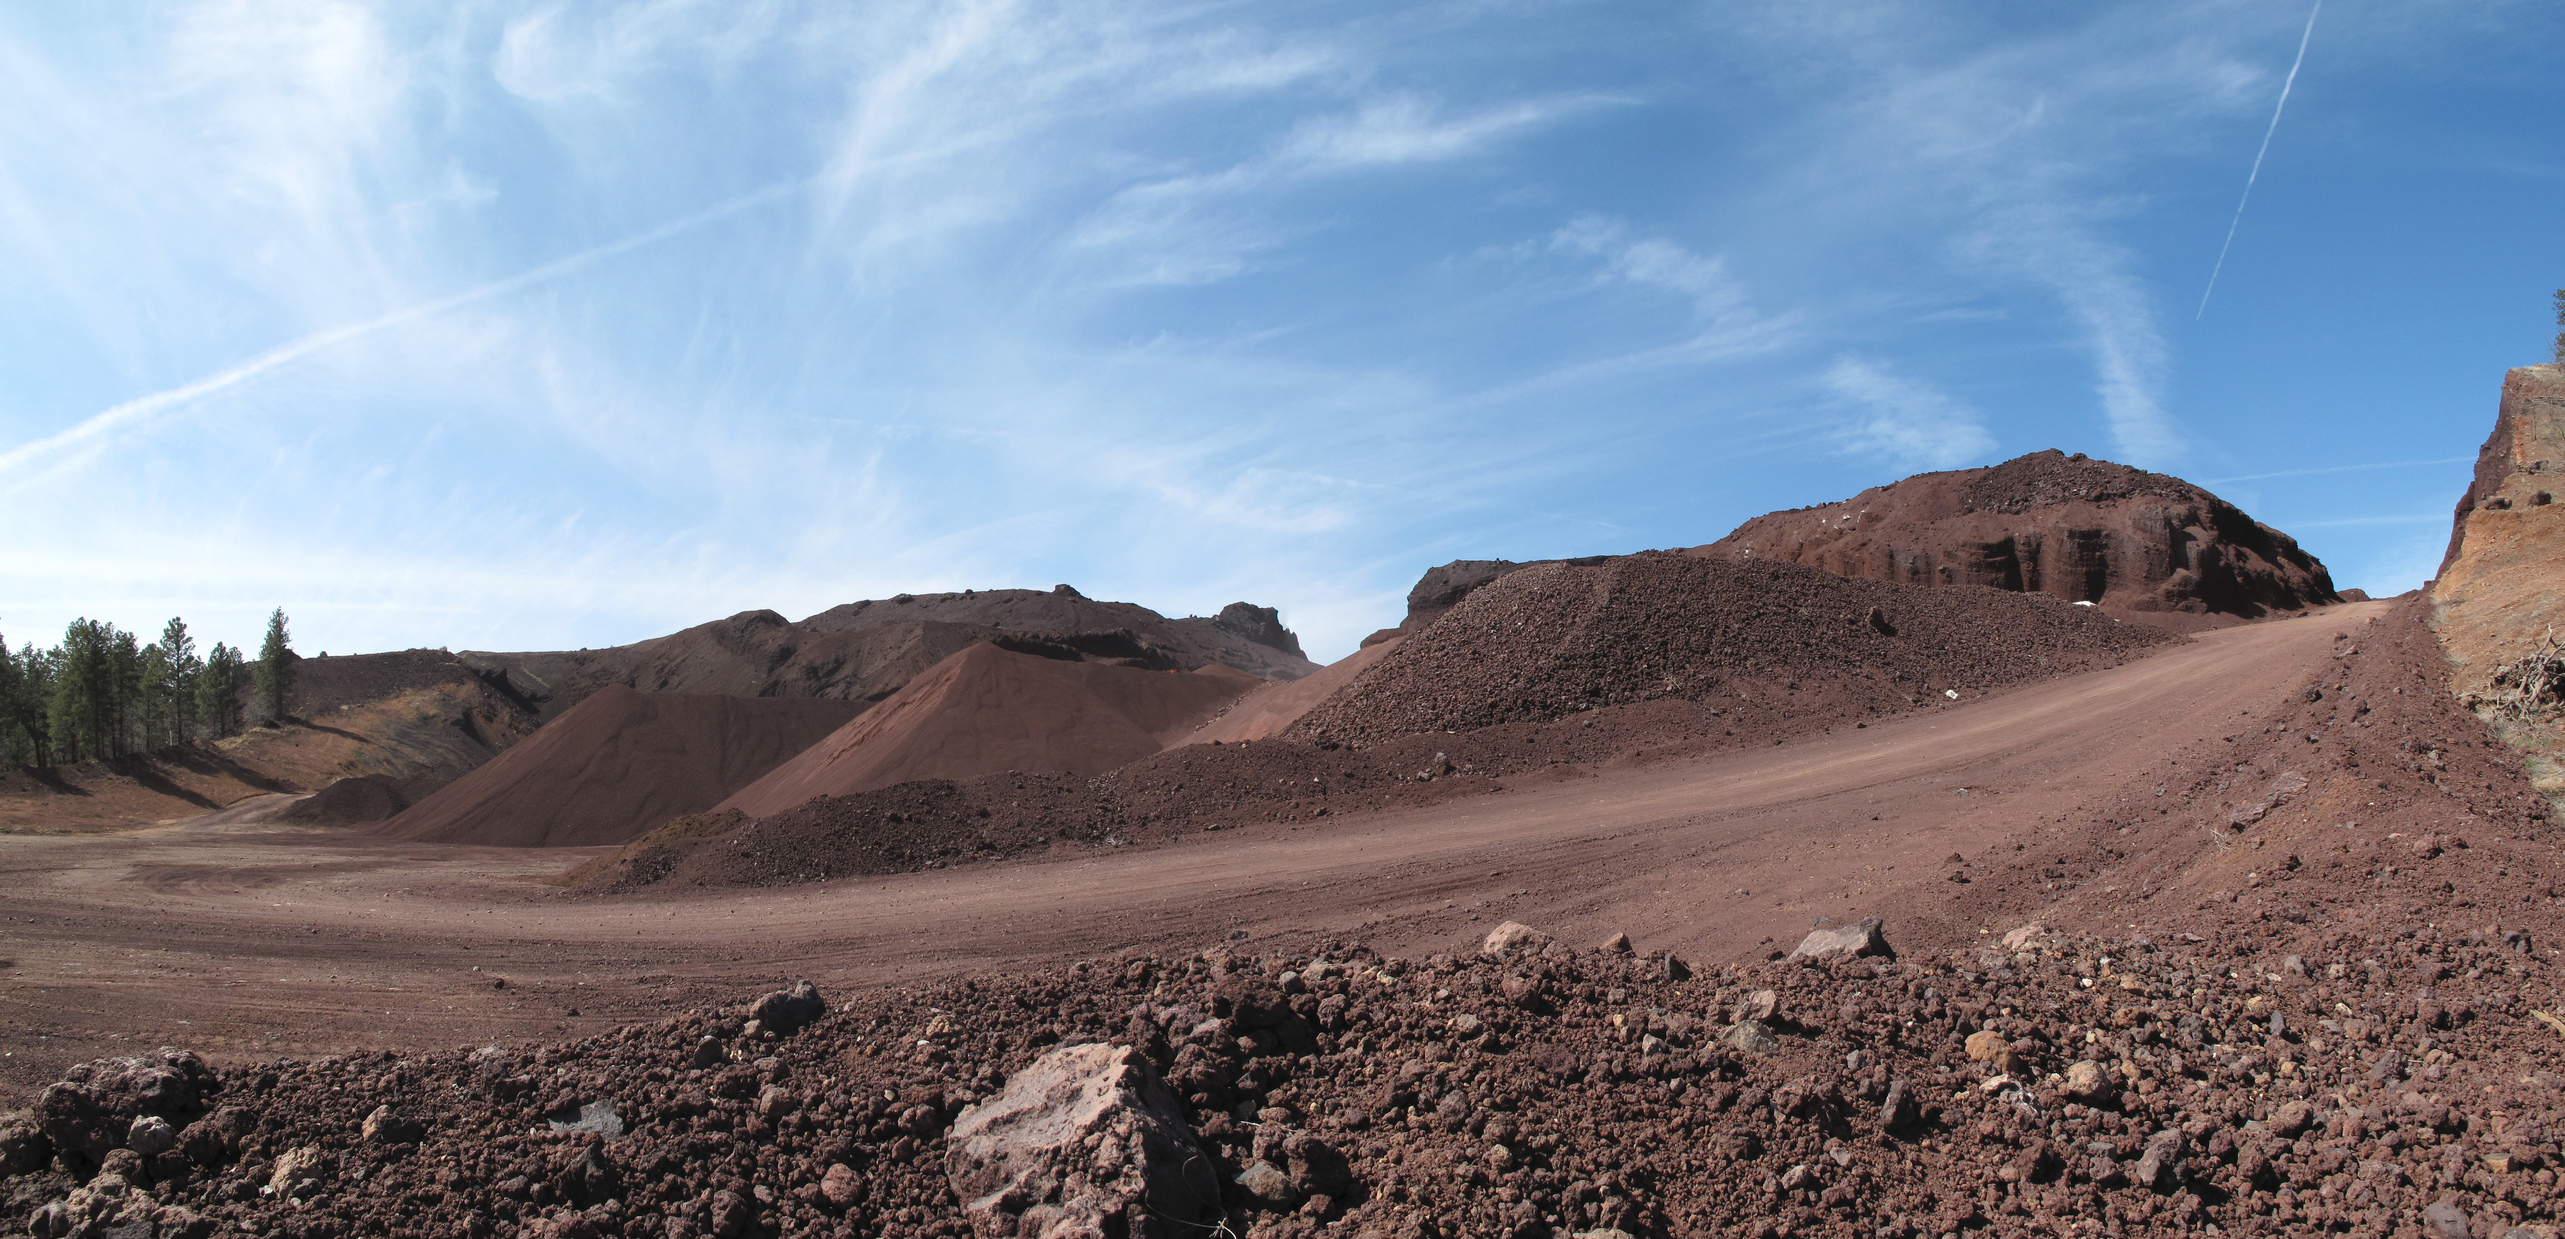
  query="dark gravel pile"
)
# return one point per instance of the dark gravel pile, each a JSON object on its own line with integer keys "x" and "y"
{"x": 1549, "y": 640}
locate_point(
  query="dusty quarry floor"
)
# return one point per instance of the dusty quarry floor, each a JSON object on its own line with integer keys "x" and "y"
{"x": 238, "y": 939}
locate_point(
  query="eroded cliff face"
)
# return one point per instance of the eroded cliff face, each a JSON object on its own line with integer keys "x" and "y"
{"x": 2502, "y": 585}
{"x": 2048, "y": 523}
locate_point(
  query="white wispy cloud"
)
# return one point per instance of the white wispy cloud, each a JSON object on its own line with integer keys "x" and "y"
{"x": 1904, "y": 420}
{"x": 1200, "y": 227}
{"x": 93, "y": 433}
{"x": 570, "y": 323}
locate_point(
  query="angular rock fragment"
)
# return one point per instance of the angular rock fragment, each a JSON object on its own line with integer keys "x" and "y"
{"x": 1861, "y": 939}
{"x": 787, "y": 1011}
{"x": 2088, "y": 1083}
{"x": 1023, "y": 1165}
{"x": 388, "y": 1126}
{"x": 1751, "y": 1036}
{"x": 1512, "y": 937}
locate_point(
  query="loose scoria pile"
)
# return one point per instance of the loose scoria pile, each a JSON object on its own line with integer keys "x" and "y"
{"x": 2043, "y": 1084}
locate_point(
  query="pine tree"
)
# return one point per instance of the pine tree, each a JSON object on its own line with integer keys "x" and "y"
{"x": 37, "y": 670}
{"x": 12, "y": 683}
{"x": 124, "y": 690}
{"x": 178, "y": 684}
{"x": 83, "y": 702}
{"x": 2560, "y": 323}
{"x": 276, "y": 667}
{"x": 218, "y": 691}
{"x": 151, "y": 715}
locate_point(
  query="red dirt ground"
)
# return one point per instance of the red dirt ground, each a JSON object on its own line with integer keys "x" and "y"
{"x": 2282, "y": 819}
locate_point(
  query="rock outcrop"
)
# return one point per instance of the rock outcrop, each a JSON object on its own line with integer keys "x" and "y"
{"x": 2502, "y": 585}
{"x": 864, "y": 651}
{"x": 2084, "y": 530}
{"x": 1262, "y": 625}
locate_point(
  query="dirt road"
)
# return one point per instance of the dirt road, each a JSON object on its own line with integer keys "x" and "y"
{"x": 240, "y": 940}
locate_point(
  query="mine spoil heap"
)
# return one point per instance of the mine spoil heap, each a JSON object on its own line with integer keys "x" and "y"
{"x": 1552, "y": 639}
{"x": 2048, "y": 523}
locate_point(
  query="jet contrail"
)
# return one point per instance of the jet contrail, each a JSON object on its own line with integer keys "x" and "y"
{"x": 142, "y": 408}
{"x": 2257, "y": 158}
{"x": 2308, "y": 473}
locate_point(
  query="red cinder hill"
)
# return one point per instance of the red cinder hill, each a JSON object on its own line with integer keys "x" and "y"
{"x": 987, "y": 710}
{"x": 617, "y": 764}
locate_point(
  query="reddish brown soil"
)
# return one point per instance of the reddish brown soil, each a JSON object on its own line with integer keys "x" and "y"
{"x": 1549, "y": 640}
{"x": 2073, "y": 528}
{"x": 2398, "y": 876}
{"x": 617, "y": 764}
{"x": 987, "y": 710}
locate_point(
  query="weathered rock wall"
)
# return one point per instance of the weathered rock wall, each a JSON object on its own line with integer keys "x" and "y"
{"x": 2502, "y": 584}
{"x": 2067, "y": 526}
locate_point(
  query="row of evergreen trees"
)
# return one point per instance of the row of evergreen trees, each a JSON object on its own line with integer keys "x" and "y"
{"x": 104, "y": 694}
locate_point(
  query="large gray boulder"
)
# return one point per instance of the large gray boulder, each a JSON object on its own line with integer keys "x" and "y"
{"x": 1863, "y": 938}
{"x": 1083, "y": 1142}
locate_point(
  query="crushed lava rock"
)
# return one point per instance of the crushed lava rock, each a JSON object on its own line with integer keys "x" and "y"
{"x": 1553, "y": 639}
{"x": 2045, "y": 1084}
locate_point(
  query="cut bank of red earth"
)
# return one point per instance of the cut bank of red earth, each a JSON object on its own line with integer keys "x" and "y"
{"x": 1553, "y": 639}
{"x": 986, "y": 710}
{"x": 617, "y": 764}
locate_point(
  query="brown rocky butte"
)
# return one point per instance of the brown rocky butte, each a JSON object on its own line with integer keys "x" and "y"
{"x": 2048, "y": 523}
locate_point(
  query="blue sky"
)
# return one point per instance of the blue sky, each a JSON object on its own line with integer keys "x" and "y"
{"x": 532, "y": 327}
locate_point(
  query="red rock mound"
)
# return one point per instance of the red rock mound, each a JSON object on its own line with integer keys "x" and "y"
{"x": 866, "y": 650}
{"x": 1547, "y": 640}
{"x": 618, "y": 764}
{"x": 987, "y": 710}
{"x": 2048, "y": 523}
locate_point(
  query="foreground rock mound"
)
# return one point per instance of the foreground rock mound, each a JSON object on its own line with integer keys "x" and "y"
{"x": 2073, "y": 528}
{"x": 2262, "y": 1078}
{"x": 1554, "y": 639}
{"x": 1084, "y": 1141}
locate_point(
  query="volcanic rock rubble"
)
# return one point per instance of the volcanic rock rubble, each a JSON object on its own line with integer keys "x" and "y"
{"x": 2356, "y": 1036}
